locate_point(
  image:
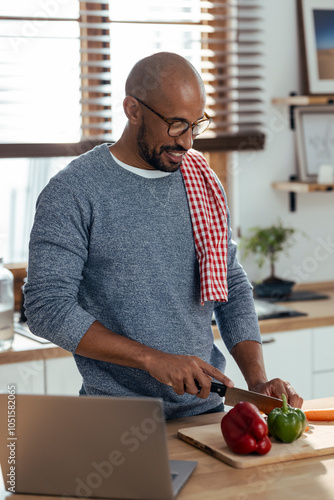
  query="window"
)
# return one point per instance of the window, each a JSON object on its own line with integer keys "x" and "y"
{"x": 63, "y": 68}
{"x": 39, "y": 80}
{"x": 21, "y": 181}
{"x": 64, "y": 62}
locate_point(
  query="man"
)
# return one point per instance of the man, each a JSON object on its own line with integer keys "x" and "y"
{"x": 114, "y": 273}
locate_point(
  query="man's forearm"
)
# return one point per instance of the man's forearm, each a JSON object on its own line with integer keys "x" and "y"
{"x": 177, "y": 371}
{"x": 249, "y": 357}
{"x": 104, "y": 345}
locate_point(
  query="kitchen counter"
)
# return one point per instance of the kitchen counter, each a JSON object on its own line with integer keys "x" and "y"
{"x": 24, "y": 349}
{"x": 319, "y": 313}
{"x": 310, "y": 478}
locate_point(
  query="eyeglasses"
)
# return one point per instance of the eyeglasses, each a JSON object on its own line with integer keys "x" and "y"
{"x": 180, "y": 127}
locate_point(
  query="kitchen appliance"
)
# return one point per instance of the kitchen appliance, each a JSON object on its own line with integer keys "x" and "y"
{"x": 266, "y": 309}
{"x": 269, "y": 310}
{"x": 301, "y": 295}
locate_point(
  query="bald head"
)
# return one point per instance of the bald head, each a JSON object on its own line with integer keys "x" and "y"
{"x": 157, "y": 77}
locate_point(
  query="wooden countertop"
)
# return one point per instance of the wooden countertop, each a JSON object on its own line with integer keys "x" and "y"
{"x": 25, "y": 349}
{"x": 310, "y": 478}
{"x": 319, "y": 312}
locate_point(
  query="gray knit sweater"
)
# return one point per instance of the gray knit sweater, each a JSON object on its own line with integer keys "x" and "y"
{"x": 113, "y": 246}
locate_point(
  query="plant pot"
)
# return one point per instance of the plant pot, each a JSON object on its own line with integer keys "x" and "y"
{"x": 273, "y": 288}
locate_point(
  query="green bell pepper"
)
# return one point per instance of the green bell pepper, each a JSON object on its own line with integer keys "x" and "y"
{"x": 286, "y": 424}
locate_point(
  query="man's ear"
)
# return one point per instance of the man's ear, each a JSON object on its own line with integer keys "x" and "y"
{"x": 132, "y": 110}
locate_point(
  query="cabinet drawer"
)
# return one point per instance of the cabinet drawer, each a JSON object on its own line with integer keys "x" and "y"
{"x": 62, "y": 377}
{"x": 323, "y": 385}
{"x": 323, "y": 348}
{"x": 28, "y": 377}
{"x": 287, "y": 355}
{"x": 232, "y": 370}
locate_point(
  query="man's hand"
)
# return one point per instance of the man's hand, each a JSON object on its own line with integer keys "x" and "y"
{"x": 276, "y": 387}
{"x": 180, "y": 372}
{"x": 249, "y": 357}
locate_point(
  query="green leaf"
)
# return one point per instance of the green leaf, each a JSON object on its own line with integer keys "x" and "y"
{"x": 266, "y": 243}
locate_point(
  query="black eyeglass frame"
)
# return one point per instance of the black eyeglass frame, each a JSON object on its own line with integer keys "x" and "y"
{"x": 206, "y": 117}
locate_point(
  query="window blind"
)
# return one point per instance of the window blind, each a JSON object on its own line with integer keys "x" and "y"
{"x": 95, "y": 74}
{"x": 55, "y": 86}
{"x": 64, "y": 66}
{"x": 232, "y": 69}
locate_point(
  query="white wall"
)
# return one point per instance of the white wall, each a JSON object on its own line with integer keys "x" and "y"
{"x": 312, "y": 258}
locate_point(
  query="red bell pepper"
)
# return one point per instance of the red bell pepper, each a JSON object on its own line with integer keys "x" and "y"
{"x": 245, "y": 430}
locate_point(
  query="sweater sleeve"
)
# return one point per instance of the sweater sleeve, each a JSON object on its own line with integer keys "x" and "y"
{"x": 236, "y": 319}
{"x": 58, "y": 251}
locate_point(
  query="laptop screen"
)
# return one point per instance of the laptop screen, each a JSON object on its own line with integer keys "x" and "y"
{"x": 101, "y": 447}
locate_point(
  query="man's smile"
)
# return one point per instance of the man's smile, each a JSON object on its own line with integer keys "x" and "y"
{"x": 174, "y": 157}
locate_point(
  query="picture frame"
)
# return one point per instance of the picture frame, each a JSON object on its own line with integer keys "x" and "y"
{"x": 316, "y": 21}
{"x": 314, "y": 127}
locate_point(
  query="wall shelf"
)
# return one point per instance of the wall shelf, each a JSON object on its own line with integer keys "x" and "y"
{"x": 301, "y": 187}
{"x": 294, "y": 187}
{"x": 294, "y": 100}
{"x": 303, "y": 100}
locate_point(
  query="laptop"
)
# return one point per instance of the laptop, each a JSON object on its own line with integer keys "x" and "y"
{"x": 87, "y": 446}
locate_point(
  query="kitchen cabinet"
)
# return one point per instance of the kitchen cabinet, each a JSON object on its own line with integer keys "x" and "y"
{"x": 323, "y": 361}
{"x": 323, "y": 384}
{"x": 28, "y": 377}
{"x": 304, "y": 357}
{"x": 62, "y": 377}
{"x": 287, "y": 355}
{"x": 323, "y": 348}
{"x": 232, "y": 370}
{"x": 42, "y": 376}
{"x": 37, "y": 368}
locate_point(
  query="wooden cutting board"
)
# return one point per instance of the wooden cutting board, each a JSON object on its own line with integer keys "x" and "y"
{"x": 317, "y": 441}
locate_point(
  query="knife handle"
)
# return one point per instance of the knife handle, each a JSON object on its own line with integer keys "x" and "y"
{"x": 217, "y": 387}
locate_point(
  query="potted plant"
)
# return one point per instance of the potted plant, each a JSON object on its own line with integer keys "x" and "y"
{"x": 266, "y": 243}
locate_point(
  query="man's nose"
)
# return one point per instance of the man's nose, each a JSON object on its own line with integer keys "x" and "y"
{"x": 186, "y": 140}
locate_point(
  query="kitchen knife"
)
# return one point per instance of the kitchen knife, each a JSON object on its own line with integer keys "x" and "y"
{"x": 233, "y": 395}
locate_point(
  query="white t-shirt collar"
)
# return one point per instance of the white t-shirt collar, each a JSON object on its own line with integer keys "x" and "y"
{"x": 148, "y": 174}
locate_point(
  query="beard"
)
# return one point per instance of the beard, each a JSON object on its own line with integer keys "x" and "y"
{"x": 152, "y": 156}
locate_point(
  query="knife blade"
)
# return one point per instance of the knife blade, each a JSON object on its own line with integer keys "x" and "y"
{"x": 234, "y": 395}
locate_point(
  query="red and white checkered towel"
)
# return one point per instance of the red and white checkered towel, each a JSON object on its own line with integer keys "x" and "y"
{"x": 209, "y": 220}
